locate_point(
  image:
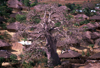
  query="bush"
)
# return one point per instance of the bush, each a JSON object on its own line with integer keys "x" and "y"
{"x": 20, "y": 18}
{"x": 84, "y": 22}
{"x": 2, "y": 59}
{"x": 1, "y": 37}
{"x": 57, "y": 24}
{"x": 33, "y": 4}
{"x": 91, "y": 45}
{"x": 76, "y": 24}
{"x": 11, "y": 20}
{"x": 37, "y": 20}
{"x": 69, "y": 17}
{"x": 3, "y": 26}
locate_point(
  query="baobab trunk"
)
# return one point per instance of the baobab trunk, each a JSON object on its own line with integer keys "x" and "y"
{"x": 53, "y": 58}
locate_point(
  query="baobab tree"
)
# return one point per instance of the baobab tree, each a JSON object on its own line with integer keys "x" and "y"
{"x": 48, "y": 30}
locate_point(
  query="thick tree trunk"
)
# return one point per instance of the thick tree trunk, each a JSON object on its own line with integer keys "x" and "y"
{"x": 53, "y": 58}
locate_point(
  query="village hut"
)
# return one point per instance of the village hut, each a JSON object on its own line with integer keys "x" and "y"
{"x": 72, "y": 41}
{"x": 69, "y": 54}
{"x": 81, "y": 16}
{"x": 4, "y": 45}
{"x": 95, "y": 56}
{"x": 95, "y": 18}
{"x": 88, "y": 5}
{"x": 15, "y": 4}
{"x": 13, "y": 27}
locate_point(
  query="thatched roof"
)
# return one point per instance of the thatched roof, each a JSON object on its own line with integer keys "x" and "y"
{"x": 13, "y": 26}
{"x": 60, "y": 43}
{"x": 95, "y": 35}
{"x": 92, "y": 65}
{"x": 4, "y": 44}
{"x": 14, "y": 4}
{"x": 95, "y": 17}
{"x": 4, "y": 54}
{"x": 81, "y": 15}
{"x": 70, "y": 54}
{"x": 95, "y": 56}
{"x": 71, "y": 40}
{"x": 88, "y": 4}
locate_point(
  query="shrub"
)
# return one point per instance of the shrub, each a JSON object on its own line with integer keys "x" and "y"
{"x": 1, "y": 37}
{"x": 20, "y": 18}
{"x": 37, "y": 20}
{"x": 11, "y": 20}
{"x": 83, "y": 53}
{"x": 84, "y": 22}
{"x": 88, "y": 53}
{"x": 59, "y": 5}
{"x": 2, "y": 59}
{"x": 3, "y": 26}
{"x": 80, "y": 18}
{"x": 76, "y": 24}
{"x": 33, "y": 4}
{"x": 57, "y": 24}
{"x": 91, "y": 45}
{"x": 69, "y": 17}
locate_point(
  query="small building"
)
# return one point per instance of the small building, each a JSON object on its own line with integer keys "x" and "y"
{"x": 95, "y": 18}
{"x": 15, "y": 4}
{"x": 26, "y": 44}
{"x": 4, "y": 45}
{"x": 81, "y": 16}
{"x": 70, "y": 54}
{"x": 13, "y": 27}
{"x": 95, "y": 56}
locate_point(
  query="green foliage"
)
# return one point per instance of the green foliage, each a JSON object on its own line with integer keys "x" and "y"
{"x": 76, "y": 24}
{"x": 13, "y": 57}
{"x": 91, "y": 45}
{"x": 59, "y": 5}
{"x": 2, "y": 59}
{"x": 80, "y": 18}
{"x": 71, "y": 6}
{"x": 11, "y": 20}
{"x": 57, "y": 24}
{"x": 83, "y": 53}
{"x": 20, "y": 18}
{"x": 73, "y": 11}
{"x": 1, "y": 37}
{"x": 84, "y": 22}
{"x": 25, "y": 39}
{"x": 26, "y": 2}
{"x": 37, "y": 20}
{"x": 3, "y": 26}
{"x": 4, "y": 10}
{"x": 69, "y": 17}
{"x": 33, "y": 4}
{"x": 31, "y": 29}
{"x": 27, "y": 65}
{"x": 88, "y": 53}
